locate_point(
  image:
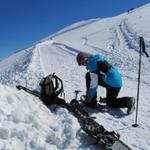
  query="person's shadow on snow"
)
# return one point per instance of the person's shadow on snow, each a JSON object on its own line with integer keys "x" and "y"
{"x": 115, "y": 112}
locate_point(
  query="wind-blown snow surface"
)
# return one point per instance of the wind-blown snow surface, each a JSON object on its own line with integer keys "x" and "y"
{"x": 25, "y": 123}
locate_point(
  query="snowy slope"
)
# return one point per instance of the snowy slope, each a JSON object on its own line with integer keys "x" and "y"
{"x": 27, "y": 124}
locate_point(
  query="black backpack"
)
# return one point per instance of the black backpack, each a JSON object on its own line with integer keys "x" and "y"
{"x": 103, "y": 66}
{"x": 51, "y": 86}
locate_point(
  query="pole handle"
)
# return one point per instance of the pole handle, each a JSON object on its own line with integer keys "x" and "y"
{"x": 142, "y": 46}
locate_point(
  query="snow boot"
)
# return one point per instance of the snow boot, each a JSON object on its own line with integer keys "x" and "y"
{"x": 131, "y": 106}
{"x": 91, "y": 103}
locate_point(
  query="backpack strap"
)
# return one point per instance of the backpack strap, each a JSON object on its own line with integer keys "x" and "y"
{"x": 51, "y": 85}
{"x": 57, "y": 80}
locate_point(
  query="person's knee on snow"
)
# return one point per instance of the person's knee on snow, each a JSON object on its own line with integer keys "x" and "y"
{"x": 111, "y": 96}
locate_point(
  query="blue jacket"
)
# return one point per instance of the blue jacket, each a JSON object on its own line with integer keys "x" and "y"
{"x": 112, "y": 78}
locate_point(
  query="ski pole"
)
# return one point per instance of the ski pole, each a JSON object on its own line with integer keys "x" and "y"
{"x": 142, "y": 49}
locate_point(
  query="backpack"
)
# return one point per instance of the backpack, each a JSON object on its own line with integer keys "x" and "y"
{"x": 51, "y": 86}
{"x": 103, "y": 66}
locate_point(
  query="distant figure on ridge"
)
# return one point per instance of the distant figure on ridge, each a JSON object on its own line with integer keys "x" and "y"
{"x": 130, "y": 10}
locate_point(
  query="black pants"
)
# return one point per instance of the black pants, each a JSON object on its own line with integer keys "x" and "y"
{"x": 111, "y": 93}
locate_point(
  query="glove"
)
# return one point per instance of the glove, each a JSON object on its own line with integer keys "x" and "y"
{"x": 85, "y": 98}
{"x": 88, "y": 99}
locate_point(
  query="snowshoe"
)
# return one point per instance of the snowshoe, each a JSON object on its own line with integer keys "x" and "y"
{"x": 94, "y": 104}
{"x": 78, "y": 109}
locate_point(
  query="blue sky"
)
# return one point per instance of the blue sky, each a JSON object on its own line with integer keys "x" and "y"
{"x": 23, "y": 22}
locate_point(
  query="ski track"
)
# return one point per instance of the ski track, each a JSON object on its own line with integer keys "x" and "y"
{"x": 127, "y": 40}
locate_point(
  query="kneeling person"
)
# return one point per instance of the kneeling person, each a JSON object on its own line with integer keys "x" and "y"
{"x": 104, "y": 74}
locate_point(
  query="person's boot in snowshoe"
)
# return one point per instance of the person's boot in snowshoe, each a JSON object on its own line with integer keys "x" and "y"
{"x": 131, "y": 106}
{"x": 91, "y": 103}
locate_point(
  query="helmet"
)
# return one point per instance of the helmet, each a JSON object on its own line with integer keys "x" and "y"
{"x": 81, "y": 57}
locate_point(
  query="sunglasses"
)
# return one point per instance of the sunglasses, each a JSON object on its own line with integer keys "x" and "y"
{"x": 82, "y": 62}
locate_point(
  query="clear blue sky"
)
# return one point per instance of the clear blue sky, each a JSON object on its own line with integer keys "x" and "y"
{"x": 23, "y": 22}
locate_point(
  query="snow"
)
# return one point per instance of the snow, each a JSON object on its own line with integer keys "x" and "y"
{"x": 26, "y": 124}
